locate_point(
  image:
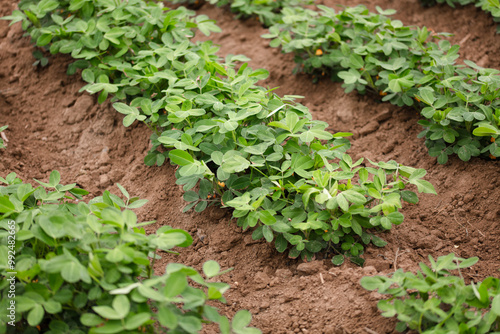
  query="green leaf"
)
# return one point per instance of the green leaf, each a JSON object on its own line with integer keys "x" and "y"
{"x": 6, "y": 205}
{"x": 424, "y": 186}
{"x": 217, "y": 157}
{"x": 387, "y": 308}
{"x": 468, "y": 262}
{"x": 370, "y": 283}
{"x": 107, "y": 312}
{"x": 396, "y": 217}
{"x": 16, "y": 16}
{"x": 314, "y": 246}
{"x": 495, "y": 305}
{"x": 44, "y": 39}
{"x": 191, "y": 196}
{"x": 167, "y": 318}
{"x": 241, "y": 320}
{"x": 401, "y": 327}
{"x": 122, "y": 305}
{"x": 52, "y": 307}
{"x": 123, "y": 190}
{"x": 175, "y": 285}
{"x": 418, "y": 174}
{"x": 268, "y": 233}
{"x": 354, "y": 197}
{"x": 280, "y": 243}
{"x": 344, "y": 205}
{"x": 201, "y": 206}
{"x": 396, "y": 83}
{"x": 72, "y": 272}
{"x": 180, "y": 157}
{"x": 386, "y": 12}
{"x": 378, "y": 241}
{"x": 110, "y": 327}
{"x": 266, "y": 217}
{"x": 35, "y": 316}
{"x": 409, "y": 196}
{"x": 338, "y": 260}
{"x": 350, "y": 77}
{"x": 91, "y": 320}
{"x": 235, "y": 164}
{"x": 427, "y": 95}
{"x": 190, "y": 324}
{"x": 486, "y": 130}
{"x": 54, "y": 178}
{"x": 211, "y": 268}
{"x": 137, "y": 203}
{"x": 168, "y": 240}
{"x": 133, "y": 322}
{"x": 125, "y": 109}
{"x": 356, "y": 61}
{"x": 45, "y": 6}
{"x": 386, "y": 223}
{"x": 113, "y": 34}
{"x": 105, "y": 87}
{"x": 24, "y": 304}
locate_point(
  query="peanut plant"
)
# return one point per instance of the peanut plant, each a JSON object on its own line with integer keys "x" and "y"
{"x": 435, "y": 301}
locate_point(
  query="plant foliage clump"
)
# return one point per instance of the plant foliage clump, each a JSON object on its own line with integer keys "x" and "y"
{"x": 435, "y": 301}
{"x": 85, "y": 267}
{"x": 406, "y": 66}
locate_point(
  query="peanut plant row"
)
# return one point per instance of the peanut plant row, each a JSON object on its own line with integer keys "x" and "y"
{"x": 407, "y": 66}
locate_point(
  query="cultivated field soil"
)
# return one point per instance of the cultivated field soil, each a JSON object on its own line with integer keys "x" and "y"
{"x": 53, "y": 126}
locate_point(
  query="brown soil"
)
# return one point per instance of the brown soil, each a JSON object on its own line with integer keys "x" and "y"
{"x": 52, "y": 126}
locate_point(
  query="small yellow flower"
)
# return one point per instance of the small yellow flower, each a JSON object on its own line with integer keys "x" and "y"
{"x": 492, "y": 139}
{"x": 319, "y": 52}
{"x": 381, "y": 93}
{"x": 492, "y": 157}
{"x": 222, "y": 184}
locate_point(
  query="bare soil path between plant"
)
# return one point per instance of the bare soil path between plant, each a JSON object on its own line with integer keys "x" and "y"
{"x": 53, "y": 126}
